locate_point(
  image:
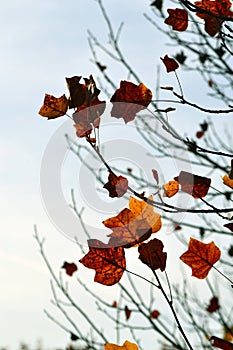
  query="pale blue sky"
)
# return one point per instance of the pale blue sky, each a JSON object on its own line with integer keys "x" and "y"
{"x": 41, "y": 43}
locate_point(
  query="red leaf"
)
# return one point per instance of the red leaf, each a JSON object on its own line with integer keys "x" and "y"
{"x": 201, "y": 257}
{"x": 178, "y": 19}
{"x": 70, "y": 268}
{"x": 156, "y": 175}
{"x": 221, "y": 344}
{"x": 114, "y": 304}
{"x": 170, "y": 64}
{"x": 127, "y": 312}
{"x": 154, "y": 314}
{"x": 216, "y": 7}
{"x": 213, "y": 305}
{"x": 116, "y": 185}
{"x": 152, "y": 254}
{"x": 137, "y": 97}
{"x": 200, "y": 134}
{"x": 195, "y": 185}
{"x": 108, "y": 262}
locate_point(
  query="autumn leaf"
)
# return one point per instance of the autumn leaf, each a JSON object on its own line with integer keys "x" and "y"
{"x": 200, "y": 134}
{"x": 101, "y": 66}
{"x": 201, "y": 257}
{"x": 70, "y": 268}
{"x": 73, "y": 337}
{"x": 116, "y": 185}
{"x": 152, "y": 254}
{"x": 229, "y": 226}
{"x": 228, "y": 333}
{"x": 178, "y": 19}
{"x": 227, "y": 181}
{"x": 154, "y": 314}
{"x": 213, "y": 305}
{"x": 134, "y": 225}
{"x": 126, "y": 346}
{"x": 216, "y": 9}
{"x": 170, "y": 64}
{"x": 155, "y": 175}
{"x": 127, "y": 312}
{"x": 114, "y": 304}
{"x": 108, "y": 262}
{"x": 133, "y": 98}
{"x": 230, "y": 251}
{"x": 221, "y": 343}
{"x": 195, "y": 185}
{"x": 170, "y": 188}
{"x": 54, "y": 107}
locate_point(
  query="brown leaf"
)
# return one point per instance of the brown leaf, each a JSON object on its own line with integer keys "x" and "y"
{"x": 154, "y": 314}
{"x": 217, "y": 8}
{"x": 133, "y": 99}
{"x": 70, "y": 268}
{"x": 134, "y": 225}
{"x": 227, "y": 181}
{"x": 195, "y": 185}
{"x": 221, "y": 343}
{"x": 127, "y": 313}
{"x": 170, "y": 64}
{"x": 116, "y": 185}
{"x": 152, "y": 254}
{"x": 201, "y": 257}
{"x": 108, "y": 262}
{"x": 213, "y": 305}
{"x": 200, "y": 134}
{"x": 54, "y": 107}
{"x": 229, "y": 226}
{"x": 178, "y": 19}
{"x": 114, "y": 304}
{"x": 155, "y": 175}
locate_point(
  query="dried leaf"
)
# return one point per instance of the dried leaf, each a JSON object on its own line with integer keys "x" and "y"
{"x": 116, "y": 185}
{"x": 155, "y": 175}
{"x": 152, "y": 254}
{"x": 114, "y": 304}
{"x": 229, "y": 226}
{"x": 133, "y": 99}
{"x": 127, "y": 313}
{"x": 213, "y": 305}
{"x": 178, "y": 19}
{"x": 134, "y": 225}
{"x": 195, "y": 185}
{"x": 108, "y": 262}
{"x": 170, "y": 64}
{"x": 200, "y": 134}
{"x": 221, "y": 343}
{"x": 70, "y": 268}
{"x": 227, "y": 181}
{"x": 170, "y": 188}
{"x": 54, "y": 107}
{"x": 217, "y": 8}
{"x": 126, "y": 346}
{"x": 201, "y": 257}
{"x": 154, "y": 314}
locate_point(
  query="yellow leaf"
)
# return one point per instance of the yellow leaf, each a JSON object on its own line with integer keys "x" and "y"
{"x": 126, "y": 346}
{"x": 143, "y": 210}
{"x": 227, "y": 181}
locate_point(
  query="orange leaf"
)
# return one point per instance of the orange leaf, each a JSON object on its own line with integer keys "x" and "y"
{"x": 136, "y": 97}
{"x": 116, "y": 185}
{"x": 126, "y": 346}
{"x": 227, "y": 181}
{"x": 213, "y": 305}
{"x": 170, "y": 64}
{"x": 221, "y": 343}
{"x": 171, "y": 188}
{"x": 70, "y": 268}
{"x": 152, "y": 254}
{"x": 195, "y": 185}
{"x": 201, "y": 257}
{"x": 54, "y": 107}
{"x": 133, "y": 226}
{"x": 217, "y": 8}
{"x": 178, "y": 19}
{"x": 154, "y": 314}
{"x": 108, "y": 262}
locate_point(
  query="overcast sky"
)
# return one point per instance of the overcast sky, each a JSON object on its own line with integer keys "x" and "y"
{"x": 41, "y": 43}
